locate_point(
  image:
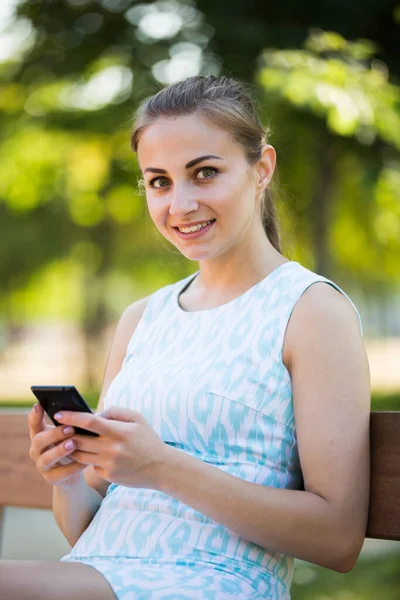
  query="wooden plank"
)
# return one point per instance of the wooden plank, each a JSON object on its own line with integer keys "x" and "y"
{"x": 1, "y": 527}
{"x": 384, "y": 508}
{"x": 22, "y": 484}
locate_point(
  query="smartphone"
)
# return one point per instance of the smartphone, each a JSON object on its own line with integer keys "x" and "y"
{"x": 56, "y": 398}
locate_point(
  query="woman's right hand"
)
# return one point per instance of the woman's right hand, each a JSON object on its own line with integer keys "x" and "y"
{"x": 48, "y": 451}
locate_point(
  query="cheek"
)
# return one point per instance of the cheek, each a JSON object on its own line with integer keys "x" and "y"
{"x": 158, "y": 210}
{"x": 155, "y": 206}
{"x": 229, "y": 192}
{"x": 233, "y": 182}
{"x": 220, "y": 192}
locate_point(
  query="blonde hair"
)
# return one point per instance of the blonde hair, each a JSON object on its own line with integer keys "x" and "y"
{"x": 228, "y": 103}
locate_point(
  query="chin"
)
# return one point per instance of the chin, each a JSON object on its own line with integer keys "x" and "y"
{"x": 195, "y": 256}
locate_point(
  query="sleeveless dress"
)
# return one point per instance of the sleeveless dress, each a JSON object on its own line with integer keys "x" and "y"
{"x": 212, "y": 383}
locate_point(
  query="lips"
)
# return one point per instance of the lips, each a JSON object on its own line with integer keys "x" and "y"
{"x": 192, "y": 224}
{"x": 195, "y": 234}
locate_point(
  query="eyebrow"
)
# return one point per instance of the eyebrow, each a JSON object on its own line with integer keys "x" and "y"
{"x": 191, "y": 163}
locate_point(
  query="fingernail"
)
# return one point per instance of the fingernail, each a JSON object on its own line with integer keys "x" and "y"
{"x": 58, "y": 416}
{"x": 68, "y": 430}
{"x": 68, "y": 445}
{"x": 35, "y": 408}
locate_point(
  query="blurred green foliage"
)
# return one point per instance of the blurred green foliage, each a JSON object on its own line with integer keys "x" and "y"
{"x": 334, "y": 81}
{"x": 374, "y": 576}
{"x": 70, "y": 210}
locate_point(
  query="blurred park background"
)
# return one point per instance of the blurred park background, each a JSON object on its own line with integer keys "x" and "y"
{"x": 77, "y": 245}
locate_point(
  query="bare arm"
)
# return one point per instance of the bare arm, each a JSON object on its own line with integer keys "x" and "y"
{"x": 76, "y": 502}
{"x": 325, "y": 524}
{"x": 74, "y": 506}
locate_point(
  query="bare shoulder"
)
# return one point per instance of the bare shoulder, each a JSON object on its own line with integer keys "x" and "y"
{"x": 321, "y": 308}
{"x": 131, "y": 317}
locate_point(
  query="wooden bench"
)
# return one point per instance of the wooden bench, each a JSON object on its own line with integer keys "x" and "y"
{"x": 22, "y": 485}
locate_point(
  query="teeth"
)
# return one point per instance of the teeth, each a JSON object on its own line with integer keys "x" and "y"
{"x": 194, "y": 228}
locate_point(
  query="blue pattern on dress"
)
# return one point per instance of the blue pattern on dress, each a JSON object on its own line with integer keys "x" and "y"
{"x": 213, "y": 384}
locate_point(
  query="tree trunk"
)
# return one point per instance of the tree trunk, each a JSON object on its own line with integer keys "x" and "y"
{"x": 321, "y": 204}
{"x": 95, "y": 311}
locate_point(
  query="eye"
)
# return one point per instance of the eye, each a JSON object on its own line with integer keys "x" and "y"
{"x": 207, "y": 171}
{"x": 161, "y": 181}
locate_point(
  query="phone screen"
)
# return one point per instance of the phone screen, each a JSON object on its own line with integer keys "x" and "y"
{"x": 56, "y": 398}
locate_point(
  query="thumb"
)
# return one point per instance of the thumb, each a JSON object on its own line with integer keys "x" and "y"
{"x": 119, "y": 413}
{"x": 36, "y": 420}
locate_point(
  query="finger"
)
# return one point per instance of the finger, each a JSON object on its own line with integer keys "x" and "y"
{"x": 36, "y": 420}
{"x": 120, "y": 413}
{"x": 48, "y": 459}
{"x": 86, "y": 458}
{"x": 85, "y": 420}
{"x": 43, "y": 440}
{"x": 88, "y": 443}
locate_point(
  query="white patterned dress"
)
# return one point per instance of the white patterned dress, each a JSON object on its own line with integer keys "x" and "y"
{"x": 212, "y": 383}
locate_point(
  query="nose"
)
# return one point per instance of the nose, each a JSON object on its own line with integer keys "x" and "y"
{"x": 182, "y": 201}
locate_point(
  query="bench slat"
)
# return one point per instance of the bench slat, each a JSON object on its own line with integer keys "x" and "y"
{"x": 22, "y": 485}
{"x": 384, "y": 508}
{"x": 21, "y": 482}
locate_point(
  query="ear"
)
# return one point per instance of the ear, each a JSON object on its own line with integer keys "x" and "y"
{"x": 265, "y": 167}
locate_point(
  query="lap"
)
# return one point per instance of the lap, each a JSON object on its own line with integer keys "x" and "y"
{"x": 51, "y": 580}
{"x": 166, "y": 579}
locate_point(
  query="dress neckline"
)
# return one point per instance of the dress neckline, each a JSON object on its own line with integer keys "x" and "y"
{"x": 188, "y": 281}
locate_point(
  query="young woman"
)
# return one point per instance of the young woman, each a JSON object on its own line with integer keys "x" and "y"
{"x": 234, "y": 435}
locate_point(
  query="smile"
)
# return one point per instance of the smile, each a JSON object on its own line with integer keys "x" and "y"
{"x": 195, "y": 234}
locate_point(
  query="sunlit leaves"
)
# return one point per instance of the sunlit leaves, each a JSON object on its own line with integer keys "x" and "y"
{"x": 331, "y": 79}
{"x": 31, "y": 167}
{"x": 86, "y": 209}
{"x": 53, "y": 292}
{"x": 124, "y": 203}
{"x": 121, "y": 150}
{"x": 87, "y": 164}
{"x": 355, "y": 102}
{"x": 17, "y": 40}
{"x": 163, "y": 19}
{"x": 12, "y": 98}
{"x": 39, "y": 166}
{"x": 65, "y": 145}
{"x": 330, "y": 41}
{"x": 387, "y": 217}
{"x": 339, "y": 82}
{"x": 161, "y": 24}
{"x": 348, "y": 238}
{"x": 44, "y": 98}
{"x": 365, "y": 221}
{"x": 111, "y": 85}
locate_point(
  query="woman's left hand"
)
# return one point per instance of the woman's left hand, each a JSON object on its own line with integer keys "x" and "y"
{"x": 127, "y": 452}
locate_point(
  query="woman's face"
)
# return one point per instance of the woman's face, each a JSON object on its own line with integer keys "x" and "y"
{"x": 196, "y": 172}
